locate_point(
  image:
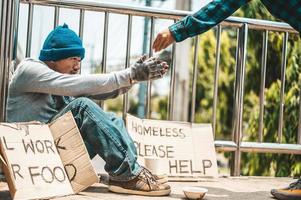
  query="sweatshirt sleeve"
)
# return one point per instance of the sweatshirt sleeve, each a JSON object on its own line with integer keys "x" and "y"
{"x": 35, "y": 76}
{"x": 111, "y": 95}
{"x": 204, "y": 19}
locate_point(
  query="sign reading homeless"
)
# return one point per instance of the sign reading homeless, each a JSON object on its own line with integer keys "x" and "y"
{"x": 187, "y": 148}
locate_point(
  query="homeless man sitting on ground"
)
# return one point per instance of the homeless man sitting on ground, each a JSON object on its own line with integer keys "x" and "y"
{"x": 47, "y": 88}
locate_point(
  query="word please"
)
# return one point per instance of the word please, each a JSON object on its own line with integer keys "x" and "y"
{"x": 160, "y": 151}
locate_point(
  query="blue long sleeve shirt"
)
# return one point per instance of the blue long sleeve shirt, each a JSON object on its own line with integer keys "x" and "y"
{"x": 218, "y": 10}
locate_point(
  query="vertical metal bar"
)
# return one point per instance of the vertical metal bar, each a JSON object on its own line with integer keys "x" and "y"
{"x": 194, "y": 77}
{"x": 29, "y": 29}
{"x": 16, "y": 29}
{"x": 2, "y": 59}
{"x": 1, "y": 7}
{"x": 81, "y": 23}
{"x": 241, "y": 68}
{"x": 262, "y": 84}
{"x": 127, "y": 62}
{"x": 8, "y": 37}
{"x": 56, "y": 16}
{"x": 1, "y": 17}
{"x": 8, "y": 53}
{"x": 149, "y": 83}
{"x": 81, "y": 27}
{"x": 216, "y": 76}
{"x": 236, "y": 104}
{"x": 105, "y": 47}
{"x": 12, "y": 29}
{"x": 2, "y": 32}
{"x": 244, "y": 39}
{"x": 2, "y": 114}
{"x": 172, "y": 83}
{"x": 299, "y": 124}
{"x": 235, "y": 108}
{"x": 283, "y": 69}
{"x": 8, "y": 30}
{"x": 105, "y": 43}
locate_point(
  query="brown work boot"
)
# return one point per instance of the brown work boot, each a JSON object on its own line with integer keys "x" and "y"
{"x": 292, "y": 192}
{"x": 144, "y": 184}
{"x": 161, "y": 178}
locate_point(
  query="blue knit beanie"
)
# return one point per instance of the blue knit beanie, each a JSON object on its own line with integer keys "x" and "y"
{"x": 62, "y": 43}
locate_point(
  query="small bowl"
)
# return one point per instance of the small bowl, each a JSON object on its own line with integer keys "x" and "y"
{"x": 195, "y": 192}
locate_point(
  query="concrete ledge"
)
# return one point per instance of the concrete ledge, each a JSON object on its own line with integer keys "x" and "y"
{"x": 226, "y": 188}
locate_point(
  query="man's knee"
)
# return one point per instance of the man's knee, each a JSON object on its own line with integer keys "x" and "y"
{"x": 84, "y": 102}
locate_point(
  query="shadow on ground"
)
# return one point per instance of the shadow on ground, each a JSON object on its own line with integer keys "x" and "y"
{"x": 213, "y": 194}
{"x": 222, "y": 194}
{"x": 5, "y": 195}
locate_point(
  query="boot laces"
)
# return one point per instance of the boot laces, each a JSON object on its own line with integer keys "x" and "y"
{"x": 149, "y": 177}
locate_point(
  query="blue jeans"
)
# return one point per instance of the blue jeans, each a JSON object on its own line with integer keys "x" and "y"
{"x": 105, "y": 134}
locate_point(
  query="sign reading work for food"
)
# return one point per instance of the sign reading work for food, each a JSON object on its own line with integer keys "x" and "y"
{"x": 33, "y": 166}
{"x": 42, "y": 161}
{"x": 187, "y": 148}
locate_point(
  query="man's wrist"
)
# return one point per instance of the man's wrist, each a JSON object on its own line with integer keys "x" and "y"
{"x": 178, "y": 31}
{"x": 133, "y": 81}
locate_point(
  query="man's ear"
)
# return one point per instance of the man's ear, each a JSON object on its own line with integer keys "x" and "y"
{"x": 50, "y": 64}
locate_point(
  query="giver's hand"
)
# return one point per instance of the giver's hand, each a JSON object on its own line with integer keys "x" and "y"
{"x": 148, "y": 69}
{"x": 163, "y": 40}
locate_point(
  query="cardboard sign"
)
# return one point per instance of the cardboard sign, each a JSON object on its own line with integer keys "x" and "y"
{"x": 187, "y": 148}
{"x": 73, "y": 153}
{"x": 34, "y": 168}
{"x": 42, "y": 162}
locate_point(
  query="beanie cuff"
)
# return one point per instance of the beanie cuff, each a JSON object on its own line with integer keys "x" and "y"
{"x": 59, "y": 54}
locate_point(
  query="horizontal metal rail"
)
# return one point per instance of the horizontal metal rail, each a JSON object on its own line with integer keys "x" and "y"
{"x": 237, "y": 146}
{"x": 258, "y": 147}
{"x": 160, "y": 13}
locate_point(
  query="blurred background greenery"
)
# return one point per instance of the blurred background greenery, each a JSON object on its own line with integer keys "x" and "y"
{"x": 253, "y": 164}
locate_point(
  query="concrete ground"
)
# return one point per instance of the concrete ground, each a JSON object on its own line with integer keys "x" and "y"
{"x": 226, "y": 188}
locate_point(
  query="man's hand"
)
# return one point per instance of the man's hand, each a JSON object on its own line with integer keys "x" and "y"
{"x": 163, "y": 40}
{"x": 148, "y": 69}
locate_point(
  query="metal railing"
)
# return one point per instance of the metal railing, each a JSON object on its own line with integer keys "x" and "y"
{"x": 8, "y": 37}
{"x": 9, "y": 29}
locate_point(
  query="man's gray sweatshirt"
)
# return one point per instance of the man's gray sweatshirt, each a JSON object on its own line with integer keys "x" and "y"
{"x": 35, "y": 90}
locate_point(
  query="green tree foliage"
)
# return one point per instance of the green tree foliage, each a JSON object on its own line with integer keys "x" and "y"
{"x": 205, "y": 81}
{"x": 253, "y": 163}
{"x": 271, "y": 164}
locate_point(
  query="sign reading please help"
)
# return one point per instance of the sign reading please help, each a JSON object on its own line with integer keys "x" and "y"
{"x": 187, "y": 148}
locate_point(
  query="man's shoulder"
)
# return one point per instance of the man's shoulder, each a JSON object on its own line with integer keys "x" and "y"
{"x": 31, "y": 61}
{"x": 28, "y": 68}
{"x": 30, "y": 65}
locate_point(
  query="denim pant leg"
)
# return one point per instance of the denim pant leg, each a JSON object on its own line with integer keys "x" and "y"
{"x": 105, "y": 134}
